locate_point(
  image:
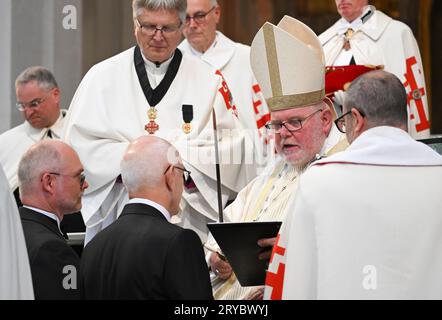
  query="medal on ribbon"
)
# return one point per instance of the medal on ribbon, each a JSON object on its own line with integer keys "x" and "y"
{"x": 187, "y": 118}
{"x": 152, "y": 127}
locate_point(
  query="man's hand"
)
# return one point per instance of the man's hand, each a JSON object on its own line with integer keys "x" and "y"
{"x": 266, "y": 243}
{"x": 256, "y": 294}
{"x": 220, "y": 267}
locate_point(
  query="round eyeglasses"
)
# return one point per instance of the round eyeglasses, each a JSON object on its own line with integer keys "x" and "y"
{"x": 151, "y": 29}
{"x": 292, "y": 125}
{"x": 199, "y": 17}
{"x": 22, "y": 106}
{"x": 340, "y": 122}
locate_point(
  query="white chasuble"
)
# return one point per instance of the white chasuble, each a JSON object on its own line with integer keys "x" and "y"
{"x": 365, "y": 223}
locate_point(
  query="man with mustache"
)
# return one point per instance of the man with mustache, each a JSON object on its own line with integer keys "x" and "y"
{"x": 366, "y": 36}
{"x": 52, "y": 183}
{"x": 232, "y": 60}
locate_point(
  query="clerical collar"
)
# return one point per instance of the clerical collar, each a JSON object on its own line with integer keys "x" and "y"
{"x": 155, "y": 67}
{"x": 200, "y": 54}
{"x": 155, "y": 205}
{"x": 47, "y": 214}
{"x": 357, "y": 24}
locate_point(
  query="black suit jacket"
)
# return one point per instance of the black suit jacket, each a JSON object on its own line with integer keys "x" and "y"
{"x": 49, "y": 254}
{"x": 144, "y": 257}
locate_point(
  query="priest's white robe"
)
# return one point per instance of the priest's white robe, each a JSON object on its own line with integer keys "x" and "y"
{"x": 15, "y": 142}
{"x": 109, "y": 110}
{"x": 265, "y": 199}
{"x": 15, "y": 272}
{"x": 366, "y": 223}
{"x": 390, "y": 43}
{"x": 232, "y": 59}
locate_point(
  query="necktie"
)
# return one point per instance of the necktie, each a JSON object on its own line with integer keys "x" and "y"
{"x": 49, "y": 134}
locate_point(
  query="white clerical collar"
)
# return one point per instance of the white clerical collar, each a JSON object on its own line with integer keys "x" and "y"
{"x": 155, "y": 68}
{"x": 150, "y": 203}
{"x": 344, "y": 25}
{"x": 200, "y": 54}
{"x": 47, "y": 214}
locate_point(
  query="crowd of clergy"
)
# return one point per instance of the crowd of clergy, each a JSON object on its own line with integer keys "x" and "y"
{"x": 317, "y": 132}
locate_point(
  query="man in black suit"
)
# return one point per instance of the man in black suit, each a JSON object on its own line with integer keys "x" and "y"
{"x": 51, "y": 184}
{"x": 142, "y": 255}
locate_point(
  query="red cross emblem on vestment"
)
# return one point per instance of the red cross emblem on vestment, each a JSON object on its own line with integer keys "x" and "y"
{"x": 415, "y": 94}
{"x": 276, "y": 280}
{"x": 152, "y": 127}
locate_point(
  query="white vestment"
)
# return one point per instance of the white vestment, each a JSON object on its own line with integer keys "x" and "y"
{"x": 233, "y": 61}
{"x": 264, "y": 199}
{"x": 15, "y": 142}
{"x": 366, "y": 223}
{"x": 109, "y": 110}
{"x": 15, "y": 272}
{"x": 390, "y": 43}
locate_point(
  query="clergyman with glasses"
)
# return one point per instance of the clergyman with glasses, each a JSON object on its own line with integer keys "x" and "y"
{"x": 293, "y": 82}
{"x": 52, "y": 183}
{"x": 38, "y": 99}
{"x": 153, "y": 89}
{"x": 232, "y": 60}
{"x": 142, "y": 256}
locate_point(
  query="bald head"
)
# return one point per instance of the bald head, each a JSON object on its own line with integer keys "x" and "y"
{"x": 145, "y": 162}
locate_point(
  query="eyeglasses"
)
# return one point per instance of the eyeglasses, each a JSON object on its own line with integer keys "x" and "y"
{"x": 151, "y": 29}
{"x": 21, "y": 106}
{"x": 340, "y": 122}
{"x": 186, "y": 174}
{"x": 291, "y": 125}
{"x": 199, "y": 17}
{"x": 81, "y": 176}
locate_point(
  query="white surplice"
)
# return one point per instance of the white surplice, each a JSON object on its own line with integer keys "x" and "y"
{"x": 232, "y": 59}
{"x": 390, "y": 43}
{"x": 109, "y": 110}
{"x": 15, "y": 272}
{"x": 366, "y": 223}
{"x": 15, "y": 142}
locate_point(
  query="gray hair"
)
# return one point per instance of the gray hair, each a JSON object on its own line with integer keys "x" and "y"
{"x": 39, "y": 159}
{"x": 43, "y": 76}
{"x": 146, "y": 166}
{"x": 381, "y": 96}
{"x": 154, "y": 5}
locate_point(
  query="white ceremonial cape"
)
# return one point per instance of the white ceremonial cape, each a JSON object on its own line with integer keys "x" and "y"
{"x": 232, "y": 60}
{"x": 265, "y": 199}
{"x": 15, "y": 272}
{"x": 390, "y": 43}
{"x": 109, "y": 110}
{"x": 15, "y": 142}
{"x": 366, "y": 223}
